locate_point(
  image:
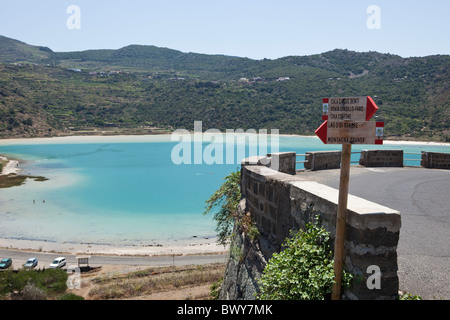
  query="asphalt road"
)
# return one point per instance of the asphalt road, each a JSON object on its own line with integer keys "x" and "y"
{"x": 423, "y": 198}
{"x": 44, "y": 259}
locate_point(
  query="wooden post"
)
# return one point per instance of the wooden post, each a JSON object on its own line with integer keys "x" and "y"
{"x": 341, "y": 220}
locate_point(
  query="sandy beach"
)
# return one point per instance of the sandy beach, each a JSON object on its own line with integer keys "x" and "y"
{"x": 428, "y": 143}
{"x": 167, "y": 138}
{"x": 194, "y": 247}
{"x": 12, "y": 167}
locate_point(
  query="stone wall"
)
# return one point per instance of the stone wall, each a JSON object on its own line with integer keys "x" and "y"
{"x": 435, "y": 160}
{"x": 280, "y": 202}
{"x": 322, "y": 160}
{"x": 381, "y": 158}
{"x": 280, "y": 162}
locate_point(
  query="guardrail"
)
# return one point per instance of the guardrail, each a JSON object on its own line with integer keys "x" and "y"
{"x": 355, "y": 161}
{"x": 409, "y": 160}
{"x": 412, "y": 153}
{"x": 300, "y": 162}
{"x": 301, "y": 155}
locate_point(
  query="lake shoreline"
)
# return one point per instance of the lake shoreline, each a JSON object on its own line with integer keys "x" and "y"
{"x": 194, "y": 247}
{"x": 167, "y": 138}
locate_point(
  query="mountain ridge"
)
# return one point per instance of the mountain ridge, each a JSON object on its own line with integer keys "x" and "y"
{"x": 47, "y": 93}
{"x": 146, "y": 57}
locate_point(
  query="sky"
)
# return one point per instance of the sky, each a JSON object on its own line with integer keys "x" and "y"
{"x": 255, "y": 29}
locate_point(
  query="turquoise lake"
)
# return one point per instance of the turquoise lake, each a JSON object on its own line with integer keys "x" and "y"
{"x": 115, "y": 190}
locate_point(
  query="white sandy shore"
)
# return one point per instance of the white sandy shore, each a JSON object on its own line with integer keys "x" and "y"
{"x": 11, "y": 167}
{"x": 427, "y": 143}
{"x": 87, "y": 139}
{"x": 197, "y": 247}
{"x": 166, "y": 138}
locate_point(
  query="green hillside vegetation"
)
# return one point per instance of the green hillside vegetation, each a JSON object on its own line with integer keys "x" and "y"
{"x": 47, "y": 93}
{"x": 16, "y": 51}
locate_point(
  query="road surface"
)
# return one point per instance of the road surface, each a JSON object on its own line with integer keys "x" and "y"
{"x": 44, "y": 259}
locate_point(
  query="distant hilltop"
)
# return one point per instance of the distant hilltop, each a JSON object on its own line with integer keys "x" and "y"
{"x": 43, "y": 92}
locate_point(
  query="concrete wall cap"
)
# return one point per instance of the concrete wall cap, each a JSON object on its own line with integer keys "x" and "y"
{"x": 362, "y": 213}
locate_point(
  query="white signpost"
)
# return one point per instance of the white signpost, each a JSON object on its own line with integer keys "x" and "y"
{"x": 351, "y": 132}
{"x": 346, "y": 122}
{"x": 351, "y": 108}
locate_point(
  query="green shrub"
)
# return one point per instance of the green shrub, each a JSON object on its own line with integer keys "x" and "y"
{"x": 303, "y": 270}
{"x": 49, "y": 281}
{"x": 31, "y": 292}
{"x": 70, "y": 296}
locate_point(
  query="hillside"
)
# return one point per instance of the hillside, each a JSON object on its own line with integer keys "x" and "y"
{"x": 16, "y": 51}
{"x": 47, "y": 93}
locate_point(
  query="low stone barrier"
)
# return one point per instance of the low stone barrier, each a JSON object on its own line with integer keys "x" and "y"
{"x": 322, "y": 160}
{"x": 381, "y": 158}
{"x": 435, "y": 160}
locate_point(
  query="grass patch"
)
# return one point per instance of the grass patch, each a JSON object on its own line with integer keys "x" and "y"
{"x": 12, "y": 180}
{"x": 155, "y": 280}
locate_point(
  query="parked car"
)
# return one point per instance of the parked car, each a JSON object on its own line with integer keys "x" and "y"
{"x": 31, "y": 263}
{"x": 58, "y": 263}
{"x": 5, "y": 263}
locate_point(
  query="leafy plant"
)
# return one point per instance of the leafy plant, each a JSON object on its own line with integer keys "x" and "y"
{"x": 215, "y": 289}
{"x": 226, "y": 199}
{"x": 303, "y": 270}
{"x": 248, "y": 226}
{"x": 408, "y": 296}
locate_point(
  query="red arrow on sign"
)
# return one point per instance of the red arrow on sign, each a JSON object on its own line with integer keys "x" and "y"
{"x": 351, "y": 132}
{"x": 349, "y": 108}
{"x": 371, "y": 108}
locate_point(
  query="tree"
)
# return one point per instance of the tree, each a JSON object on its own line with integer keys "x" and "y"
{"x": 226, "y": 199}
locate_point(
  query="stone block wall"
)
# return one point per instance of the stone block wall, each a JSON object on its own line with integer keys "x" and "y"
{"x": 381, "y": 158}
{"x": 321, "y": 160}
{"x": 280, "y": 202}
{"x": 435, "y": 160}
{"x": 280, "y": 162}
